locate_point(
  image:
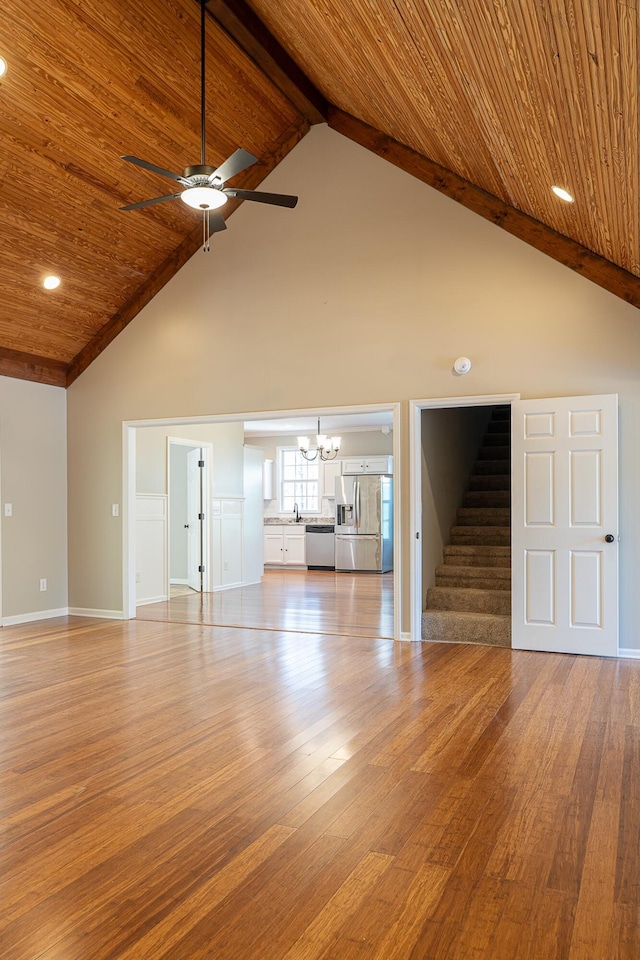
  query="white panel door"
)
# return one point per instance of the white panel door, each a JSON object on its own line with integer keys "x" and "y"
{"x": 564, "y": 507}
{"x": 194, "y": 509}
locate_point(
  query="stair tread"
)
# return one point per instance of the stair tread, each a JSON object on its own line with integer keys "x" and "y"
{"x": 470, "y": 614}
{"x": 470, "y": 590}
{"x": 468, "y": 550}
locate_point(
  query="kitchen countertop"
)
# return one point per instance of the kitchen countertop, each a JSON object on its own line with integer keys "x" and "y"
{"x": 304, "y": 521}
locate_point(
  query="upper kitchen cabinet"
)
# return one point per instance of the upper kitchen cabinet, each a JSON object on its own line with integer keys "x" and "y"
{"x": 332, "y": 470}
{"x": 367, "y": 465}
{"x": 268, "y": 486}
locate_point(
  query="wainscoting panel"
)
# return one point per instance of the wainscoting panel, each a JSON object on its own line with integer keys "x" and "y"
{"x": 227, "y": 537}
{"x": 151, "y": 548}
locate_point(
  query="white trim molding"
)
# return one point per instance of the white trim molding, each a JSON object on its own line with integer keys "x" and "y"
{"x": 36, "y": 615}
{"x": 95, "y": 614}
{"x": 628, "y": 653}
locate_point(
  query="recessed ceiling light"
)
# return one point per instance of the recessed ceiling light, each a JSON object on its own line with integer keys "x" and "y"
{"x": 563, "y": 194}
{"x": 51, "y": 282}
{"x": 3, "y": 66}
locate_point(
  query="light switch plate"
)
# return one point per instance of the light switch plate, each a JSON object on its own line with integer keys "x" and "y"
{"x": 115, "y": 509}
{"x": 8, "y": 509}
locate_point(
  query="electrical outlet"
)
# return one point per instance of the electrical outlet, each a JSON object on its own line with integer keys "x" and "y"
{"x": 138, "y": 577}
{"x": 43, "y": 585}
{"x": 226, "y": 564}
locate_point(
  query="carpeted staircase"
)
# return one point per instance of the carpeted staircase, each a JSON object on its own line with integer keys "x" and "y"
{"x": 471, "y": 601}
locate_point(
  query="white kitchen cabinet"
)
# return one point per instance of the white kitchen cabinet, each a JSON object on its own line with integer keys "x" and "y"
{"x": 367, "y": 465}
{"x": 332, "y": 470}
{"x": 284, "y": 546}
{"x": 295, "y": 548}
{"x": 267, "y": 480}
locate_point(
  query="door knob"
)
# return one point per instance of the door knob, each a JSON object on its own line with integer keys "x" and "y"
{"x": 609, "y": 538}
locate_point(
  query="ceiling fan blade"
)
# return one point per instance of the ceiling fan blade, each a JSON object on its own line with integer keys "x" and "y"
{"x": 278, "y": 199}
{"x": 216, "y": 221}
{"x": 238, "y": 161}
{"x": 148, "y": 203}
{"x": 152, "y": 167}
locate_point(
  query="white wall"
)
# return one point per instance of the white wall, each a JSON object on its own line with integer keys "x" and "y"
{"x": 178, "y": 512}
{"x": 33, "y": 478}
{"x": 365, "y": 293}
{"x": 227, "y": 459}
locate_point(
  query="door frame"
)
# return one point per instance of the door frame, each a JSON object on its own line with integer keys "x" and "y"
{"x": 415, "y": 486}
{"x": 129, "y": 428}
{"x": 205, "y": 526}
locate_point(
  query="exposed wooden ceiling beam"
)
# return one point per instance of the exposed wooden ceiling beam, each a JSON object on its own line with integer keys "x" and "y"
{"x": 28, "y": 366}
{"x": 251, "y": 35}
{"x": 249, "y": 181}
{"x": 561, "y": 248}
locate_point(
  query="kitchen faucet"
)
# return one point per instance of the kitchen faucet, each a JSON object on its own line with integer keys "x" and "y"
{"x": 296, "y": 512}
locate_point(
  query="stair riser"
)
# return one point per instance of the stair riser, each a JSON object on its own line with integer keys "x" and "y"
{"x": 486, "y": 482}
{"x": 487, "y": 498}
{"x": 464, "y": 628}
{"x": 494, "y": 453}
{"x": 469, "y": 601}
{"x": 498, "y": 575}
{"x": 493, "y": 467}
{"x": 499, "y": 563}
{"x": 497, "y": 440}
{"x": 475, "y": 582}
{"x": 484, "y": 516}
{"x": 481, "y": 536}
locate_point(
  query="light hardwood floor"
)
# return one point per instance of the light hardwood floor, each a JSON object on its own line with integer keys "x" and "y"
{"x": 315, "y": 601}
{"x": 181, "y": 792}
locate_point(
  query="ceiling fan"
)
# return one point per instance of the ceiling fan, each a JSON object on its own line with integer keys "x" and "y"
{"x": 203, "y": 185}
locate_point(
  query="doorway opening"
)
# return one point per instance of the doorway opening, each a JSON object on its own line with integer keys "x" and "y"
{"x": 186, "y": 485}
{"x": 460, "y": 529}
{"x": 238, "y": 591}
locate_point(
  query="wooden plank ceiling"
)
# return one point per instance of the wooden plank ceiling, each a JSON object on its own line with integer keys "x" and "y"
{"x": 491, "y": 101}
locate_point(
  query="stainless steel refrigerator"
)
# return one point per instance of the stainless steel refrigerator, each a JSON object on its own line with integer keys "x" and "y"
{"x": 364, "y": 523}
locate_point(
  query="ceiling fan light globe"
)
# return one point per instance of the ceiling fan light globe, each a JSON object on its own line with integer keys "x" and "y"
{"x": 203, "y": 198}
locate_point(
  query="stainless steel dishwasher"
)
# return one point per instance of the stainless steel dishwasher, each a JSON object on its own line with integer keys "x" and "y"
{"x": 320, "y": 546}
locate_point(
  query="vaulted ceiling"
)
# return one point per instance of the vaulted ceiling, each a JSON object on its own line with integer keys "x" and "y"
{"x": 490, "y": 101}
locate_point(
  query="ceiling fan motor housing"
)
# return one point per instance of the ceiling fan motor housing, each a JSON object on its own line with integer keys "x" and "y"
{"x": 199, "y": 173}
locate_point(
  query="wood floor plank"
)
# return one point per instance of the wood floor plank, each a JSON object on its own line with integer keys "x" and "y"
{"x": 182, "y": 791}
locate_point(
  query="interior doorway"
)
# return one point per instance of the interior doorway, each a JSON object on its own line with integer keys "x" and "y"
{"x": 186, "y": 486}
{"x": 316, "y": 596}
{"x": 425, "y": 555}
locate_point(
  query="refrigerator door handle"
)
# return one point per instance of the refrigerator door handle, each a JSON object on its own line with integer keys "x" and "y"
{"x": 357, "y": 500}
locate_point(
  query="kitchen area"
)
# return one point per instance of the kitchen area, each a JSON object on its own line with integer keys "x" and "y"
{"x": 341, "y": 519}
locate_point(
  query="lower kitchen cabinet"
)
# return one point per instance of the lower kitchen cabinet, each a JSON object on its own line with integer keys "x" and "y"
{"x": 283, "y": 546}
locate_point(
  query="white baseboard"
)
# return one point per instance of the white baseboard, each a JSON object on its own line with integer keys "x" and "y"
{"x": 147, "y": 600}
{"x": 32, "y": 617}
{"x": 629, "y": 653}
{"x": 98, "y": 614}
{"x": 405, "y": 635}
{"x": 228, "y": 586}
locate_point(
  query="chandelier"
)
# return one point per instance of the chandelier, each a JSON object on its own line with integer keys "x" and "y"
{"x": 326, "y": 447}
